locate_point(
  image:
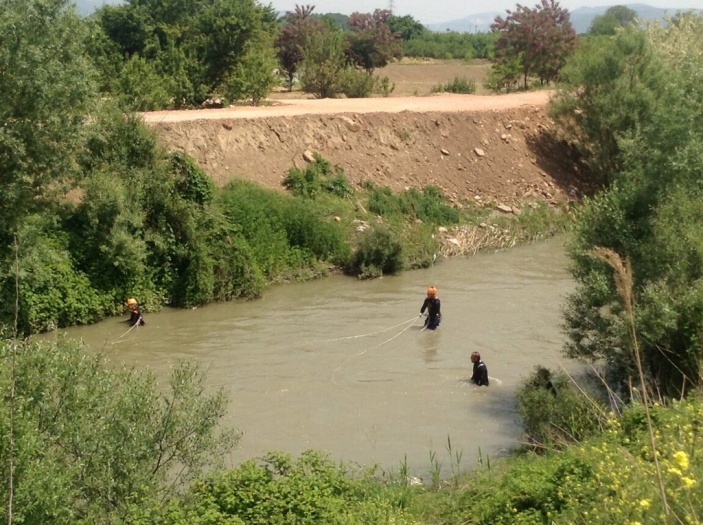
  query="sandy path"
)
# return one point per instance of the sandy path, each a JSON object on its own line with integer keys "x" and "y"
{"x": 289, "y": 108}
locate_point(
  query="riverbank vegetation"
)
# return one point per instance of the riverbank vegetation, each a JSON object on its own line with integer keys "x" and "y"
{"x": 91, "y": 211}
{"x": 87, "y": 443}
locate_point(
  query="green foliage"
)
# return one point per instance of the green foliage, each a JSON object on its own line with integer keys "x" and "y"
{"x": 253, "y": 77}
{"x": 280, "y": 490}
{"x": 106, "y": 236}
{"x": 614, "y": 17}
{"x": 324, "y": 64}
{"x": 383, "y": 86}
{"x": 608, "y": 478}
{"x": 610, "y": 88}
{"x": 46, "y": 88}
{"x": 406, "y": 26}
{"x": 217, "y": 265}
{"x": 140, "y": 87}
{"x": 284, "y": 234}
{"x": 543, "y": 37}
{"x": 651, "y": 218}
{"x": 318, "y": 176}
{"x": 193, "y": 47}
{"x": 357, "y": 83}
{"x": 193, "y": 183}
{"x": 380, "y": 252}
{"x": 428, "y": 205}
{"x": 297, "y": 26}
{"x": 555, "y": 413}
{"x": 371, "y": 42}
{"x": 52, "y": 291}
{"x": 443, "y": 45}
{"x": 276, "y": 489}
{"x": 88, "y": 440}
{"x": 458, "y": 85}
{"x": 505, "y": 75}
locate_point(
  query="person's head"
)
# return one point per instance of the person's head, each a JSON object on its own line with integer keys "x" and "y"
{"x": 432, "y": 292}
{"x": 475, "y": 357}
{"x": 132, "y": 303}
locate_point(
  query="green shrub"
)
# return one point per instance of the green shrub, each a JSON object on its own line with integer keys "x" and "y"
{"x": 318, "y": 176}
{"x": 458, "y": 85}
{"x": 428, "y": 205}
{"x": 306, "y": 230}
{"x": 106, "y": 232}
{"x": 380, "y": 252}
{"x": 89, "y": 438}
{"x": 384, "y": 86}
{"x": 278, "y": 490}
{"x": 357, "y": 83}
{"x": 53, "y": 292}
{"x": 554, "y": 412}
{"x": 285, "y": 235}
{"x": 192, "y": 183}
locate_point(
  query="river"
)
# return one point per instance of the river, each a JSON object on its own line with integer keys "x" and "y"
{"x": 344, "y": 366}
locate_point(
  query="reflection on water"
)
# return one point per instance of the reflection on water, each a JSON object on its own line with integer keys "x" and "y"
{"x": 344, "y": 366}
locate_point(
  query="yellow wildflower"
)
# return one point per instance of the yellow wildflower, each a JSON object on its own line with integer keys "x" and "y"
{"x": 688, "y": 482}
{"x": 681, "y": 459}
{"x": 645, "y": 503}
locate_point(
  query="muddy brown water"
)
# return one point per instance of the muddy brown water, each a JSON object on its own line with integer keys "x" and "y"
{"x": 344, "y": 366}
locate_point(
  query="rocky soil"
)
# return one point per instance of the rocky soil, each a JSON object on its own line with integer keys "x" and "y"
{"x": 491, "y": 150}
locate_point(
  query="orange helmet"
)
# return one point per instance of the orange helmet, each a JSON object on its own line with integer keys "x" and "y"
{"x": 432, "y": 291}
{"x": 131, "y": 302}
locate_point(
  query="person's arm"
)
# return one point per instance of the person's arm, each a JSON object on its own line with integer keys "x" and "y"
{"x": 424, "y": 307}
{"x": 484, "y": 376}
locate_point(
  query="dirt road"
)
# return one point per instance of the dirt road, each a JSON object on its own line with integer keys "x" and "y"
{"x": 444, "y": 103}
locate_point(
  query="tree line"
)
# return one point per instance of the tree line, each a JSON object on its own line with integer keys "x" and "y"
{"x": 159, "y": 54}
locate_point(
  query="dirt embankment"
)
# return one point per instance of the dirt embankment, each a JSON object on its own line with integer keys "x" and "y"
{"x": 497, "y": 150}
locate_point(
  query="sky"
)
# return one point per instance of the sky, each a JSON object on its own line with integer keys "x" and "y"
{"x": 436, "y": 11}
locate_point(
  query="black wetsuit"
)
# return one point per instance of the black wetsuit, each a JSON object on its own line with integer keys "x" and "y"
{"x": 480, "y": 376}
{"x": 135, "y": 316}
{"x": 434, "y": 316}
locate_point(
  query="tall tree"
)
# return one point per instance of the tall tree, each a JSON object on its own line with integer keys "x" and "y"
{"x": 298, "y": 26}
{"x": 372, "y": 43}
{"x": 324, "y": 64}
{"x": 46, "y": 91}
{"x": 406, "y": 26}
{"x": 191, "y": 46}
{"x": 542, "y": 37}
{"x": 651, "y": 214}
{"x": 613, "y": 18}
{"x": 610, "y": 87}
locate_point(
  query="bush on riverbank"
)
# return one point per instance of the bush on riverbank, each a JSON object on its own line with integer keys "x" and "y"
{"x": 609, "y": 477}
{"x": 145, "y": 223}
{"x": 92, "y": 444}
{"x": 82, "y": 440}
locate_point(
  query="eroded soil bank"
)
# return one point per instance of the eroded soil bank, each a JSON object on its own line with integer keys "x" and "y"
{"x": 491, "y": 150}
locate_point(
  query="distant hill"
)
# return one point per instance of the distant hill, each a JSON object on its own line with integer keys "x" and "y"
{"x": 581, "y": 18}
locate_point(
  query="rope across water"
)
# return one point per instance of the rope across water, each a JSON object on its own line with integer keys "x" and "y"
{"x": 408, "y": 324}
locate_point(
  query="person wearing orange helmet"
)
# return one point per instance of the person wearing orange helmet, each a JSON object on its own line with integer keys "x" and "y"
{"x": 432, "y": 305}
{"x": 135, "y": 314}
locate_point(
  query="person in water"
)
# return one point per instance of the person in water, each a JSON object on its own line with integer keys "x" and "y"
{"x": 135, "y": 314}
{"x": 432, "y": 305}
{"x": 480, "y": 375}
